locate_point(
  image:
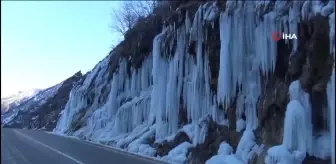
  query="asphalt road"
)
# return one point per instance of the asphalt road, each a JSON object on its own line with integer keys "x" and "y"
{"x": 38, "y": 147}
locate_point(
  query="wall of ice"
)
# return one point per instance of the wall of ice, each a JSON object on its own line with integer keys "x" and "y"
{"x": 146, "y": 101}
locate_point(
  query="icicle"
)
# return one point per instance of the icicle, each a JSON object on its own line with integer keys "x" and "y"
{"x": 187, "y": 23}
{"x": 237, "y": 48}
{"x": 247, "y": 147}
{"x": 295, "y": 126}
{"x": 174, "y": 83}
{"x": 230, "y": 6}
{"x": 332, "y": 33}
{"x": 201, "y": 129}
{"x": 306, "y": 10}
{"x": 329, "y": 8}
{"x": 224, "y": 87}
{"x": 201, "y": 97}
{"x": 240, "y": 59}
{"x": 294, "y": 19}
{"x": 266, "y": 48}
{"x": 187, "y": 85}
{"x": 317, "y": 7}
{"x": 311, "y": 8}
{"x": 211, "y": 12}
{"x": 296, "y": 93}
{"x": 158, "y": 101}
{"x": 331, "y": 84}
{"x": 251, "y": 87}
{"x": 331, "y": 107}
{"x": 78, "y": 99}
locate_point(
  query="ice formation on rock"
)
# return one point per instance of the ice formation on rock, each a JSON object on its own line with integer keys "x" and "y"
{"x": 295, "y": 126}
{"x": 296, "y": 93}
{"x": 179, "y": 153}
{"x": 225, "y": 149}
{"x": 147, "y": 101}
{"x": 243, "y": 54}
{"x": 331, "y": 102}
{"x": 77, "y": 99}
{"x": 281, "y": 155}
{"x": 247, "y": 147}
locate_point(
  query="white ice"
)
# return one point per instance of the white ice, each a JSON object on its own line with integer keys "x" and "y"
{"x": 179, "y": 153}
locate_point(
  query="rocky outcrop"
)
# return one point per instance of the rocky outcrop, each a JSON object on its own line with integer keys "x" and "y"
{"x": 314, "y": 160}
{"x": 272, "y": 107}
{"x": 164, "y": 147}
{"x": 216, "y": 134}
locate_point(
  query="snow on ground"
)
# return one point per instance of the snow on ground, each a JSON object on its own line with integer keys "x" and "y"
{"x": 188, "y": 129}
{"x": 9, "y": 118}
{"x": 247, "y": 148}
{"x": 179, "y": 153}
{"x": 224, "y": 156}
{"x": 33, "y": 99}
{"x": 281, "y": 155}
{"x": 224, "y": 159}
{"x": 19, "y": 97}
{"x": 322, "y": 146}
{"x": 225, "y": 149}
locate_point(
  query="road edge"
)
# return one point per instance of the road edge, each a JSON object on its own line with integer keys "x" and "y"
{"x": 122, "y": 151}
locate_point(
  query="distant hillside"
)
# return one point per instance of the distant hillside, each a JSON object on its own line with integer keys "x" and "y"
{"x": 16, "y": 99}
{"x": 42, "y": 108}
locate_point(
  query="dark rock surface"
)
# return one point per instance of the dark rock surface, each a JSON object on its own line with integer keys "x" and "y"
{"x": 164, "y": 147}
{"x": 216, "y": 134}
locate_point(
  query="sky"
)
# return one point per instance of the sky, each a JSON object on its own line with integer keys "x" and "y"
{"x": 44, "y": 43}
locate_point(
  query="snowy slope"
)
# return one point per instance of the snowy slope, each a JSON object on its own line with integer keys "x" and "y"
{"x": 42, "y": 109}
{"x": 15, "y": 100}
{"x": 31, "y": 103}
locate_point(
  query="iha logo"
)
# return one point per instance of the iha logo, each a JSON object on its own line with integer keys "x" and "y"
{"x": 276, "y": 36}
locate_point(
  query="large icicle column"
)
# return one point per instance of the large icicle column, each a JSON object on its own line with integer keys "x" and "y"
{"x": 135, "y": 99}
{"x": 331, "y": 106}
{"x": 159, "y": 87}
{"x": 297, "y": 93}
{"x": 181, "y": 76}
{"x": 201, "y": 93}
{"x": 243, "y": 54}
{"x": 78, "y": 99}
{"x": 331, "y": 85}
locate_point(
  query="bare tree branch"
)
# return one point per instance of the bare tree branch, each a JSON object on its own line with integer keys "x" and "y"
{"x": 129, "y": 13}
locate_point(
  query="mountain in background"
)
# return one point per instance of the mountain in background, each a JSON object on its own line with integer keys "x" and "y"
{"x": 15, "y": 100}
{"x": 41, "y": 108}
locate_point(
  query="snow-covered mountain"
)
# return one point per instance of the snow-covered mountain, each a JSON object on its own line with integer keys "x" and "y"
{"x": 16, "y": 99}
{"x": 214, "y": 87}
{"x": 46, "y": 103}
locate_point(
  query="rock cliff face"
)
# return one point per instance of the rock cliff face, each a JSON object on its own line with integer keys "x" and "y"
{"x": 214, "y": 85}
{"x": 42, "y": 110}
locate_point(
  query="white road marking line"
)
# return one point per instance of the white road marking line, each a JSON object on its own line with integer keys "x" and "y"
{"x": 17, "y": 152}
{"x": 8, "y": 156}
{"x": 152, "y": 160}
{"x": 117, "y": 151}
{"x": 23, "y": 135}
